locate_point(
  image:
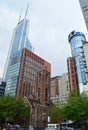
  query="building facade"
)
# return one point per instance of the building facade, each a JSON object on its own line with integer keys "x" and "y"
{"x": 18, "y": 42}
{"x": 85, "y": 49}
{"x": 63, "y": 89}
{"x": 22, "y": 76}
{"x": 55, "y": 86}
{"x": 77, "y": 40}
{"x": 84, "y": 8}
{"x": 2, "y": 87}
{"x": 72, "y": 83}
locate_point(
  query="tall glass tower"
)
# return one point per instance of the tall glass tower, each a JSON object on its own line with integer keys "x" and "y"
{"x": 84, "y": 8}
{"x": 18, "y": 42}
{"x": 20, "y": 39}
{"x": 76, "y": 40}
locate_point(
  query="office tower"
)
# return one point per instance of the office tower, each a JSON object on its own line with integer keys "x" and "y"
{"x": 84, "y": 8}
{"x": 25, "y": 76}
{"x": 72, "y": 84}
{"x": 77, "y": 40}
{"x": 18, "y": 42}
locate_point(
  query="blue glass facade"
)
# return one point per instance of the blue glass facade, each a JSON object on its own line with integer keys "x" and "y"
{"x": 13, "y": 73}
{"x": 77, "y": 39}
{"x": 19, "y": 41}
{"x": 84, "y": 7}
{"x": 2, "y": 88}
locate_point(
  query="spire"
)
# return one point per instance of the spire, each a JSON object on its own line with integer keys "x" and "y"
{"x": 26, "y": 10}
{"x": 20, "y": 16}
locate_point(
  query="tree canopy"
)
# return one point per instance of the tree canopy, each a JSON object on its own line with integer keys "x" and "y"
{"x": 13, "y": 110}
{"x": 55, "y": 114}
{"x": 76, "y": 107}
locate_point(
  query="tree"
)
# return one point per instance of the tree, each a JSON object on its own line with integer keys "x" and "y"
{"x": 13, "y": 110}
{"x": 76, "y": 107}
{"x": 55, "y": 114}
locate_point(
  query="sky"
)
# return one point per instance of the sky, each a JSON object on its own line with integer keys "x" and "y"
{"x": 51, "y": 21}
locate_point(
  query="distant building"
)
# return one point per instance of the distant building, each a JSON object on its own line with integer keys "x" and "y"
{"x": 2, "y": 87}
{"x": 55, "y": 86}
{"x": 84, "y": 8}
{"x": 72, "y": 78}
{"x": 77, "y": 41}
{"x": 63, "y": 89}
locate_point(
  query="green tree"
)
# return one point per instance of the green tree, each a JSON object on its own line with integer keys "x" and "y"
{"x": 55, "y": 114}
{"x": 13, "y": 110}
{"x": 76, "y": 107}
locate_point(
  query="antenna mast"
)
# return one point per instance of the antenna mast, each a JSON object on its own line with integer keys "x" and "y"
{"x": 20, "y": 16}
{"x": 26, "y": 10}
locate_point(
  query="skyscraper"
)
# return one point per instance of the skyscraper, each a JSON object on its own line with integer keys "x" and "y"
{"x": 18, "y": 42}
{"x": 84, "y": 8}
{"x": 77, "y": 40}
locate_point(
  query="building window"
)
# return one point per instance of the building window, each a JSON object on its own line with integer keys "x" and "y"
{"x": 40, "y": 77}
{"x": 38, "y": 93}
{"x": 46, "y": 94}
{"x": 14, "y": 60}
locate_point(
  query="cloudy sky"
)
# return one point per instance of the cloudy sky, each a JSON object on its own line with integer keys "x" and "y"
{"x": 51, "y": 21}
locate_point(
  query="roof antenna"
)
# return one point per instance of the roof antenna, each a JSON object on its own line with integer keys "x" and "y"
{"x": 26, "y": 10}
{"x": 20, "y": 16}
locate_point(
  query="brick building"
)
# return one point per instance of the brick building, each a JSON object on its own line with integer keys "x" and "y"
{"x": 72, "y": 83}
{"x": 34, "y": 84}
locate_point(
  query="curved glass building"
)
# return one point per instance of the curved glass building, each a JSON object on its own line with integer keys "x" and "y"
{"x": 20, "y": 39}
{"x": 76, "y": 40}
{"x": 18, "y": 43}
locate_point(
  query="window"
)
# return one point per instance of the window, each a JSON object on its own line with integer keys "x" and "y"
{"x": 46, "y": 94}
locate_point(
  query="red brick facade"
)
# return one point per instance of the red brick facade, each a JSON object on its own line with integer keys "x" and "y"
{"x": 34, "y": 83}
{"x": 71, "y": 74}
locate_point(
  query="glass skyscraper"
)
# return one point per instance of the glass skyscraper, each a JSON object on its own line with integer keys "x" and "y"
{"x": 84, "y": 7}
{"x": 76, "y": 40}
{"x": 12, "y": 68}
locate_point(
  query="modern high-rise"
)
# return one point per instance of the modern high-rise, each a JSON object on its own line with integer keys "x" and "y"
{"x": 18, "y": 42}
{"x": 77, "y": 40}
{"x": 84, "y": 8}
